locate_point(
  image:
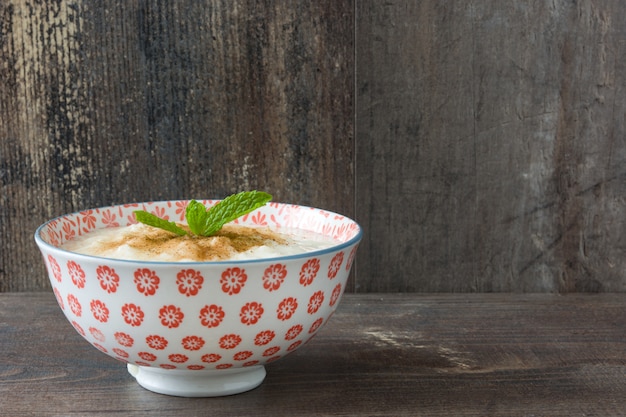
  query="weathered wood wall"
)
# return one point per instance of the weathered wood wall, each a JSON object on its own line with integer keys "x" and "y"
{"x": 481, "y": 144}
{"x": 494, "y": 137}
{"x": 120, "y": 101}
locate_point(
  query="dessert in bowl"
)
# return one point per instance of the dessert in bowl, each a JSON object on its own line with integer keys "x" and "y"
{"x": 201, "y": 328}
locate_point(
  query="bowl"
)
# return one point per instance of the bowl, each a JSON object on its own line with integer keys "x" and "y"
{"x": 199, "y": 329}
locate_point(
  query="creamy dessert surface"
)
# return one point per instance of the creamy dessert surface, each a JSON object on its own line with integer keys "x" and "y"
{"x": 233, "y": 242}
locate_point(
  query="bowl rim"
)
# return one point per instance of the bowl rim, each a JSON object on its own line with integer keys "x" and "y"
{"x": 314, "y": 253}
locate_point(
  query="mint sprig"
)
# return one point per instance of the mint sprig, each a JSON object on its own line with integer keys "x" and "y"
{"x": 203, "y": 222}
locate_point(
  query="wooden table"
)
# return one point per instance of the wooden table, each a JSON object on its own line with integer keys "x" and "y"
{"x": 380, "y": 354}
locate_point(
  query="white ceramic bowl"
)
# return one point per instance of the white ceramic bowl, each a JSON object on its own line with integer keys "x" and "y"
{"x": 199, "y": 328}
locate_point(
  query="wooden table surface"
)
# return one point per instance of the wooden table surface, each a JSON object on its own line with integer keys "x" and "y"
{"x": 380, "y": 354}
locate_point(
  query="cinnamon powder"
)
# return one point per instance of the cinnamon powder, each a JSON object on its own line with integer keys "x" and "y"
{"x": 231, "y": 239}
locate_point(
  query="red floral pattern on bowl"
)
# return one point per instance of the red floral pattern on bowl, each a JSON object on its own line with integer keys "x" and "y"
{"x": 199, "y": 316}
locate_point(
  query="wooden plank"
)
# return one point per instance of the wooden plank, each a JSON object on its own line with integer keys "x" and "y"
{"x": 380, "y": 355}
{"x": 113, "y": 101}
{"x": 492, "y": 139}
{"x": 490, "y": 152}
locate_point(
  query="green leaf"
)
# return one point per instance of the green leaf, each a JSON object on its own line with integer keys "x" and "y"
{"x": 227, "y": 210}
{"x": 155, "y": 221}
{"x": 203, "y": 222}
{"x": 196, "y": 215}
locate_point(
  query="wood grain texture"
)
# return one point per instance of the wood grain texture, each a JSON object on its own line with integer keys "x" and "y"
{"x": 481, "y": 144}
{"x": 115, "y": 101}
{"x": 495, "y": 144}
{"x": 380, "y": 355}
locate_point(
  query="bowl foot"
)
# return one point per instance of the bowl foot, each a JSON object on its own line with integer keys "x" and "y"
{"x": 202, "y": 383}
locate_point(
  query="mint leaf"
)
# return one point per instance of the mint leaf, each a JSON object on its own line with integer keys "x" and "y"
{"x": 155, "y": 221}
{"x": 197, "y": 216}
{"x": 203, "y": 222}
{"x": 231, "y": 208}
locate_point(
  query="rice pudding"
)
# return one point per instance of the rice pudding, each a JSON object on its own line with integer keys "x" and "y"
{"x": 233, "y": 242}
